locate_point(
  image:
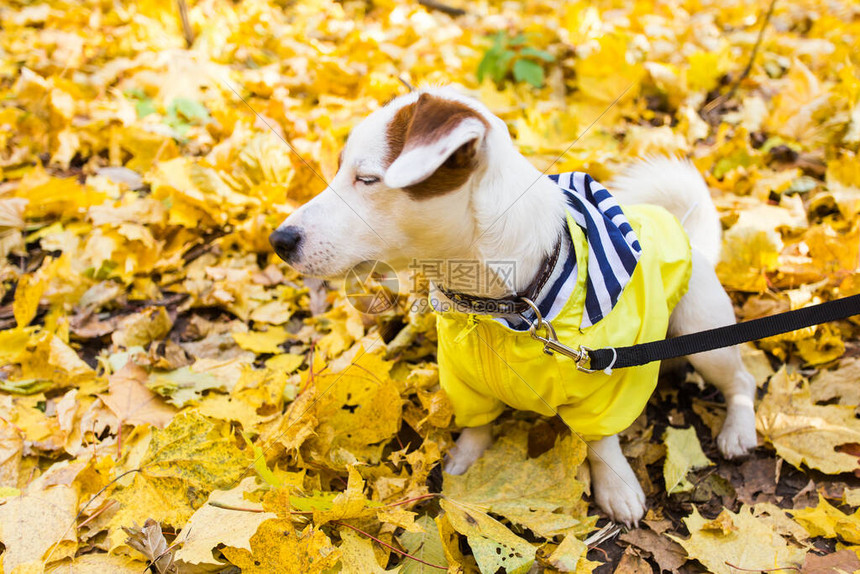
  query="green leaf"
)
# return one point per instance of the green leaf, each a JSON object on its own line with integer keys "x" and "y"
{"x": 683, "y": 454}
{"x": 540, "y": 54}
{"x": 486, "y": 65}
{"x": 528, "y": 71}
{"x": 500, "y": 41}
{"x": 502, "y": 65}
{"x": 263, "y": 471}
{"x": 191, "y": 110}
{"x": 518, "y": 40}
{"x": 144, "y": 107}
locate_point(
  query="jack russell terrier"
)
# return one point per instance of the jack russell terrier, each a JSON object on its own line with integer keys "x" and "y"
{"x": 434, "y": 176}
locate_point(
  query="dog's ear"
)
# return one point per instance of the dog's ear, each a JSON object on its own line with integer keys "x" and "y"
{"x": 433, "y": 134}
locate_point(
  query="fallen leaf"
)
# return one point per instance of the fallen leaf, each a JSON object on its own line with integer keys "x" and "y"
{"x": 28, "y": 293}
{"x": 495, "y": 547}
{"x": 182, "y": 386}
{"x": 211, "y": 526}
{"x": 278, "y": 547}
{"x": 570, "y": 556}
{"x": 839, "y": 383}
{"x": 261, "y": 342}
{"x": 98, "y": 564}
{"x": 132, "y": 402}
{"x": 425, "y": 545}
{"x": 182, "y": 464}
{"x": 805, "y": 433}
{"x": 35, "y": 523}
{"x": 750, "y": 543}
{"x": 140, "y": 329}
{"x": 830, "y": 522}
{"x": 632, "y": 563}
{"x": 683, "y": 454}
{"x": 356, "y": 555}
{"x": 532, "y": 490}
{"x": 842, "y": 561}
{"x": 149, "y": 541}
{"x": 667, "y": 553}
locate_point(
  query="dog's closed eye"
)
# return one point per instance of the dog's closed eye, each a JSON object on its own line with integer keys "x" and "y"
{"x": 367, "y": 179}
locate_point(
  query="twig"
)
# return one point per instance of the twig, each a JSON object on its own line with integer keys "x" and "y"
{"x": 389, "y": 546}
{"x": 415, "y": 499}
{"x": 310, "y": 360}
{"x": 186, "y": 23}
{"x": 96, "y": 513}
{"x": 730, "y": 565}
{"x": 436, "y": 5}
{"x": 409, "y": 86}
{"x": 599, "y": 549}
{"x": 713, "y": 104}
{"x": 221, "y": 505}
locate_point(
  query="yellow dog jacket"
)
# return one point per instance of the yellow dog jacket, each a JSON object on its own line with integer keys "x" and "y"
{"x": 484, "y": 364}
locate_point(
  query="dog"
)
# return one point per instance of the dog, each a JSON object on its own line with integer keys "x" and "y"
{"x": 435, "y": 176}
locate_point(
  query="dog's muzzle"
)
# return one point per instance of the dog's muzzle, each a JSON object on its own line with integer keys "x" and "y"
{"x": 286, "y": 242}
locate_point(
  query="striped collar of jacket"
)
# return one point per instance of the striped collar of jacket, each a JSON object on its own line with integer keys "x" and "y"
{"x": 613, "y": 253}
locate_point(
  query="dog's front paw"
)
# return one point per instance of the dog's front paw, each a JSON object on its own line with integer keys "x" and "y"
{"x": 458, "y": 464}
{"x": 469, "y": 448}
{"x": 618, "y": 493}
{"x": 737, "y": 437}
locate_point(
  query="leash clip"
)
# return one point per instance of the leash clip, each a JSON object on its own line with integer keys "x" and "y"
{"x": 552, "y": 345}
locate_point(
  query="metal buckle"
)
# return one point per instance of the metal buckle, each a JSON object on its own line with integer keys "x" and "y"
{"x": 552, "y": 345}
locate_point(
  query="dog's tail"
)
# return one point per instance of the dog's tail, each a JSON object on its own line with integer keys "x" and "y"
{"x": 676, "y": 185}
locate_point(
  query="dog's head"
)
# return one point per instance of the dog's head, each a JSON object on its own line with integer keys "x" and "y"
{"x": 404, "y": 189}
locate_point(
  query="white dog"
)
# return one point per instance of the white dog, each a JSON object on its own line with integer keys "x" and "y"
{"x": 434, "y": 176}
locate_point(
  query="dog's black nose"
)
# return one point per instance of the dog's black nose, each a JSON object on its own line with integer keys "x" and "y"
{"x": 286, "y": 241}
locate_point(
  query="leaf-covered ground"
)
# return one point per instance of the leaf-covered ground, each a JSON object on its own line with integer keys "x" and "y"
{"x": 172, "y": 395}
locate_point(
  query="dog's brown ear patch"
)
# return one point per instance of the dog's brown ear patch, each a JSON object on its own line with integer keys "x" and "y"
{"x": 427, "y": 120}
{"x": 395, "y": 135}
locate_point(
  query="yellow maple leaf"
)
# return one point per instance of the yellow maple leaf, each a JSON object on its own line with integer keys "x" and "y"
{"x": 739, "y": 540}
{"x": 683, "y": 454}
{"x": 212, "y": 525}
{"x": 357, "y": 557}
{"x": 277, "y": 547}
{"x": 493, "y": 545}
{"x": 27, "y": 295}
{"x": 828, "y": 521}
{"x": 532, "y": 489}
{"x": 140, "y": 329}
{"x": 182, "y": 464}
{"x": 35, "y": 523}
{"x": 358, "y": 409}
{"x": 260, "y": 342}
{"x": 803, "y": 432}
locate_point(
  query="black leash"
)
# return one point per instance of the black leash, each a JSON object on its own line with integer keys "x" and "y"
{"x": 693, "y": 343}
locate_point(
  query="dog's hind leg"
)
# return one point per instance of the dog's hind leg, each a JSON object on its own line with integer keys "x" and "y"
{"x": 471, "y": 444}
{"x": 614, "y": 485}
{"x": 706, "y": 306}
